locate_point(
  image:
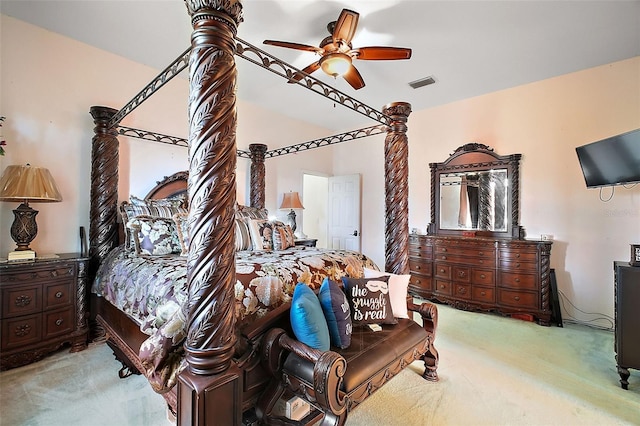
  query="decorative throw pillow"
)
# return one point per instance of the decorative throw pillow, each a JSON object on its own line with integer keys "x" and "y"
{"x": 398, "y": 285}
{"x": 369, "y": 300}
{"x": 307, "y": 319}
{"x": 247, "y": 212}
{"x": 154, "y": 235}
{"x": 182, "y": 227}
{"x": 282, "y": 236}
{"x": 243, "y": 239}
{"x": 261, "y": 234}
{"x": 337, "y": 313}
{"x": 139, "y": 207}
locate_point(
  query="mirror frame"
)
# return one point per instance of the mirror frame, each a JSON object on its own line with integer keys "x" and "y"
{"x": 473, "y": 157}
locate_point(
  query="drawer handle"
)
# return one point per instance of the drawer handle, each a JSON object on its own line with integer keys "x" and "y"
{"x": 442, "y": 271}
{"x": 462, "y": 274}
{"x": 23, "y": 330}
{"x": 517, "y": 298}
{"x": 59, "y": 322}
{"x": 444, "y": 257}
{"x": 483, "y": 293}
{"x": 517, "y": 280}
{"x": 517, "y": 255}
{"x": 418, "y": 267}
{"x": 54, "y": 273}
{"x": 59, "y": 294}
{"x": 518, "y": 265}
{"x": 444, "y": 250}
{"x": 462, "y": 290}
{"x": 481, "y": 261}
{"x": 483, "y": 276}
{"x": 22, "y": 301}
{"x": 480, "y": 253}
{"x": 442, "y": 286}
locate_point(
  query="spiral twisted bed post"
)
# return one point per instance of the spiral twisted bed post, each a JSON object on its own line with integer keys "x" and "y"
{"x": 257, "y": 189}
{"x": 396, "y": 170}
{"x": 210, "y": 387}
{"x": 103, "y": 226}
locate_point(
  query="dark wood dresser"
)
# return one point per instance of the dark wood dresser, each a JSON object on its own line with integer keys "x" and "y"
{"x": 627, "y": 319}
{"x": 506, "y": 276}
{"x": 43, "y": 305}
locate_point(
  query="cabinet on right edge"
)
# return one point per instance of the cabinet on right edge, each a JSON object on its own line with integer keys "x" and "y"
{"x": 627, "y": 319}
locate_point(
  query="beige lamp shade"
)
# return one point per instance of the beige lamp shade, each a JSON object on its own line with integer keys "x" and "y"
{"x": 27, "y": 183}
{"x": 291, "y": 200}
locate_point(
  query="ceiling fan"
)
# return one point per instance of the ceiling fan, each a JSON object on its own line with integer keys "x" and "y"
{"x": 337, "y": 53}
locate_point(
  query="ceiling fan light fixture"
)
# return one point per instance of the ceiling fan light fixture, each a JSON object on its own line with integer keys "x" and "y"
{"x": 335, "y": 64}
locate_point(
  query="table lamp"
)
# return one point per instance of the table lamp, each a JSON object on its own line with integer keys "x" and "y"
{"x": 24, "y": 184}
{"x": 292, "y": 201}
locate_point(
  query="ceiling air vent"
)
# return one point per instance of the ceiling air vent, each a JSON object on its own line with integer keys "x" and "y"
{"x": 422, "y": 82}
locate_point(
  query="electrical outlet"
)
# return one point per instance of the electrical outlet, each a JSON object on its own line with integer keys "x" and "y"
{"x": 546, "y": 237}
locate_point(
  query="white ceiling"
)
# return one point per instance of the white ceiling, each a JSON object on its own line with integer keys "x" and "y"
{"x": 469, "y": 47}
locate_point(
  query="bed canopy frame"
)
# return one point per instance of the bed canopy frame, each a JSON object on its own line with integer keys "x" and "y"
{"x": 209, "y": 389}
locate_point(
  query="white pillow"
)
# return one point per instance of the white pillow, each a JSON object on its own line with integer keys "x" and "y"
{"x": 397, "y": 290}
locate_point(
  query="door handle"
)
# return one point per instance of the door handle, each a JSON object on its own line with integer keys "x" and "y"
{"x": 355, "y": 233}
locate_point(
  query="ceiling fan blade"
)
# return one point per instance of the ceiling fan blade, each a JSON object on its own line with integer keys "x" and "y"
{"x": 308, "y": 69}
{"x": 374, "y": 53}
{"x": 296, "y": 46}
{"x": 346, "y": 26}
{"x": 354, "y": 78}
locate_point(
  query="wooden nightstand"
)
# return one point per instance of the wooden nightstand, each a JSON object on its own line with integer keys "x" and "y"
{"x": 43, "y": 305}
{"x": 309, "y": 242}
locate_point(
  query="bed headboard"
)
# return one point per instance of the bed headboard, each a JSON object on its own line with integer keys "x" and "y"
{"x": 170, "y": 186}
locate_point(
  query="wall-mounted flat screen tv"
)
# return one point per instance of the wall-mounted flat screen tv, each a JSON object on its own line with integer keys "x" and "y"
{"x": 611, "y": 161}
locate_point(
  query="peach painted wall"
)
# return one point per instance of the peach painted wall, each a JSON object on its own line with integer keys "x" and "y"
{"x": 48, "y": 83}
{"x": 544, "y": 121}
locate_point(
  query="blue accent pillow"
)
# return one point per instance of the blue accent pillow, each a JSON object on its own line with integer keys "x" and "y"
{"x": 337, "y": 313}
{"x": 307, "y": 319}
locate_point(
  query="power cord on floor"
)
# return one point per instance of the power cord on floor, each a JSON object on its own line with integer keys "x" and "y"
{"x": 589, "y": 322}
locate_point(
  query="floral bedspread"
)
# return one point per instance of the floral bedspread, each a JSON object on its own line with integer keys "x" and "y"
{"x": 153, "y": 289}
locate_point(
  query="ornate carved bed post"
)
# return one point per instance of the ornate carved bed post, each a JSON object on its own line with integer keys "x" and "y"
{"x": 209, "y": 389}
{"x": 396, "y": 170}
{"x": 257, "y": 174}
{"x": 103, "y": 225}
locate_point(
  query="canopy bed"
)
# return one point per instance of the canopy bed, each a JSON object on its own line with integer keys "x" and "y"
{"x": 223, "y": 372}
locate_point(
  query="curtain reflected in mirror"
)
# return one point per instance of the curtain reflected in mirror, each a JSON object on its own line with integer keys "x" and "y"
{"x": 474, "y": 200}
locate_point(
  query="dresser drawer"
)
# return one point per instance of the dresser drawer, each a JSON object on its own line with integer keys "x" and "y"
{"x": 482, "y": 276}
{"x": 465, "y": 252}
{"x": 21, "y": 331}
{"x": 526, "y": 256}
{"x": 420, "y": 250}
{"x": 443, "y": 287}
{"x": 517, "y": 299}
{"x": 523, "y": 281}
{"x": 517, "y": 265}
{"x": 21, "y": 300}
{"x": 474, "y": 261}
{"x": 420, "y": 282}
{"x": 420, "y": 266}
{"x": 484, "y": 294}
{"x": 461, "y": 274}
{"x": 58, "y": 294}
{"x": 462, "y": 291}
{"x": 58, "y": 322}
{"x": 441, "y": 270}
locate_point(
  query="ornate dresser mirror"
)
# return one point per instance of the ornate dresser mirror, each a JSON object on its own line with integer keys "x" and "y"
{"x": 476, "y": 192}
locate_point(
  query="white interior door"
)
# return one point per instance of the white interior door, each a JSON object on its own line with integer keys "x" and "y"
{"x": 344, "y": 212}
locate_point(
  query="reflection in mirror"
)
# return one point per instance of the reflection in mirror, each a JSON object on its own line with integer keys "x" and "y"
{"x": 474, "y": 200}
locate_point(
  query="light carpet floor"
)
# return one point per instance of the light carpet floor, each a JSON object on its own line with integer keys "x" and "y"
{"x": 493, "y": 371}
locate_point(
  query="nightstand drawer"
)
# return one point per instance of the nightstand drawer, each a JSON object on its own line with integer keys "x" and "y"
{"x": 58, "y": 294}
{"x": 39, "y": 273}
{"x": 23, "y": 300}
{"x": 58, "y": 322}
{"x": 21, "y": 331}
